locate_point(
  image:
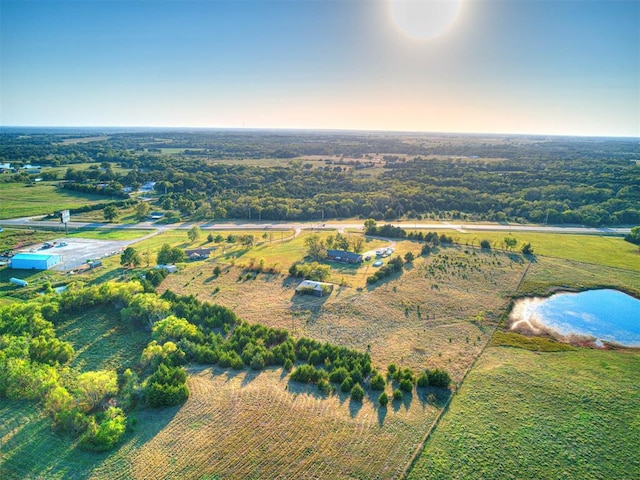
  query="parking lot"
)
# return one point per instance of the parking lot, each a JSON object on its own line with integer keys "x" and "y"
{"x": 77, "y": 251}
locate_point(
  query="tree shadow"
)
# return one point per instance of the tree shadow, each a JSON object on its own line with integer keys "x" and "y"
{"x": 36, "y": 451}
{"x": 297, "y": 388}
{"x": 437, "y": 397}
{"x": 354, "y": 407}
{"x": 382, "y": 415}
{"x": 250, "y": 376}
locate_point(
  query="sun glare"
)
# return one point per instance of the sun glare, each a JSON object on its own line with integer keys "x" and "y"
{"x": 424, "y": 19}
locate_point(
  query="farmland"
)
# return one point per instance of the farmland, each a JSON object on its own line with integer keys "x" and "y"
{"x": 523, "y": 414}
{"x": 440, "y": 311}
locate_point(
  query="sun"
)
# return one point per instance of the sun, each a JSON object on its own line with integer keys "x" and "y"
{"x": 424, "y": 19}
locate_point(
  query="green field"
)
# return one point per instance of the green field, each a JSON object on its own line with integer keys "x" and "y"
{"x": 102, "y": 341}
{"x": 521, "y": 414}
{"x": 599, "y": 250}
{"x": 19, "y": 200}
{"x": 547, "y": 274}
{"x": 110, "y": 233}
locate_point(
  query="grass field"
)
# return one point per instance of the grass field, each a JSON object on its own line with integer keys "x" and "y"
{"x": 44, "y": 198}
{"x": 521, "y": 414}
{"x": 417, "y": 319}
{"x": 14, "y": 238}
{"x": 598, "y": 250}
{"x": 102, "y": 341}
{"x": 109, "y": 234}
{"x": 28, "y": 446}
{"x": 547, "y": 273}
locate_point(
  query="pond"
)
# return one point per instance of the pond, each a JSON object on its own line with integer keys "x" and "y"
{"x": 598, "y": 315}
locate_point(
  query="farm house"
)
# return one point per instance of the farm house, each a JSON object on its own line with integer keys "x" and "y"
{"x": 344, "y": 256}
{"x": 198, "y": 253}
{"x": 35, "y": 261}
{"x": 319, "y": 289}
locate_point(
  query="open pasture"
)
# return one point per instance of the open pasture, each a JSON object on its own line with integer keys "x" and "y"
{"x": 523, "y": 414}
{"x": 547, "y": 273}
{"x": 19, "y": 200}
{"x": 603, "y": 250}
{"x": 248, "y": 425}
{"x": 439, "y": 312}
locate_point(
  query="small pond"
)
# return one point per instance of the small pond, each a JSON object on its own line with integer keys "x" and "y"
{"x": 599, "y": 315}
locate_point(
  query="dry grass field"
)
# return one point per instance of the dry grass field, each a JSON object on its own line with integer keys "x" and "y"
{"x": 417, "y": 319}
{"x": 249, "y": 425}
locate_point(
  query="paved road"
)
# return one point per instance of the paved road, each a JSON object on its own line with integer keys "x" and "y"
{"x": 29, "y": 222}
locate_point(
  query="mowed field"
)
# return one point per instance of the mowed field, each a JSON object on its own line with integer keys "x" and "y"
{"x": 41, "y": 199}
{"x": 530, "y": 415}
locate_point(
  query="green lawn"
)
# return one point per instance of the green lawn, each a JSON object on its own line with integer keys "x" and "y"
{"x": 43, "y": 198}
{"x": 521, "y": 415}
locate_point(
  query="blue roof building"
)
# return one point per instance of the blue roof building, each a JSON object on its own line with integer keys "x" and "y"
{"x": 35, "y": 261}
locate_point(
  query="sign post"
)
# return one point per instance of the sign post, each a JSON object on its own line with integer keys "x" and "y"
{"x": 64, "y": 218}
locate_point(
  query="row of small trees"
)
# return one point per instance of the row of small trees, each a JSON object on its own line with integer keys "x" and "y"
{"x": 393, "y": 266}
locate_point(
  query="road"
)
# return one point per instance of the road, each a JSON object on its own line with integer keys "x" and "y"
{"x": 33, "y": 222}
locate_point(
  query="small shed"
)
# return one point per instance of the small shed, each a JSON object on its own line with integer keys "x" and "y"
{"x": 35, "y": 261}
{"x": 319, "y": 289}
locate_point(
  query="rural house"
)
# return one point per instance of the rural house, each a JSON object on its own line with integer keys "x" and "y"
{"x": 344, "y": 256}
{"x": 198, "y": 253}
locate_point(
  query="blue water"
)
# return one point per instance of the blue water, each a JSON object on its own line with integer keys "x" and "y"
{"x": 602, "y": 315}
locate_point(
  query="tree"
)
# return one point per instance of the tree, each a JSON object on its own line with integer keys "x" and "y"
{"x": 142, "y": 209}
{"x": 527, "y": 249}
{"x": 633, "y": 236}
{"x": 110, "y": 213}
{"x": 370, "y": 226}
{"x": 510, "y": 242}
{"x": 357, "y": 393}
{"x": 357, "y": 244}
{"x": 409, "y": 257}
{"x": 194, "y": 233}
{"x": 383, "y": 399}
{"x": 439, "y": 378}
{"x": 168, "y": 254}
{"x": 486, "y": 244}
{"x": 92, "y": 387}
{"x": 210, "y": 238}
{"x": 315, "y": 247}
{"x": 130, "y": 258}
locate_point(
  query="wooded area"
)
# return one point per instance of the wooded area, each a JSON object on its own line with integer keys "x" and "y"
{"x": 589, "y": 181}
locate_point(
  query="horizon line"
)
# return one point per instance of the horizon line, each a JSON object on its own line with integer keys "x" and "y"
{"x": 308, "y": 129}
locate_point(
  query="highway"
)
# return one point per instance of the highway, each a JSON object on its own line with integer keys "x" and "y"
{"x": 35, "y": 222}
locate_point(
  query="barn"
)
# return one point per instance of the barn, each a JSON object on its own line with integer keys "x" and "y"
{"x": 35, "y": 261}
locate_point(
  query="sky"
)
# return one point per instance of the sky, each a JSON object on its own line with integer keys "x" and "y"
{"x": 561, "y": 67}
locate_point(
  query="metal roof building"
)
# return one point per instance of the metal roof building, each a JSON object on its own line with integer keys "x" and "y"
{"x": 35, "y": 261}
